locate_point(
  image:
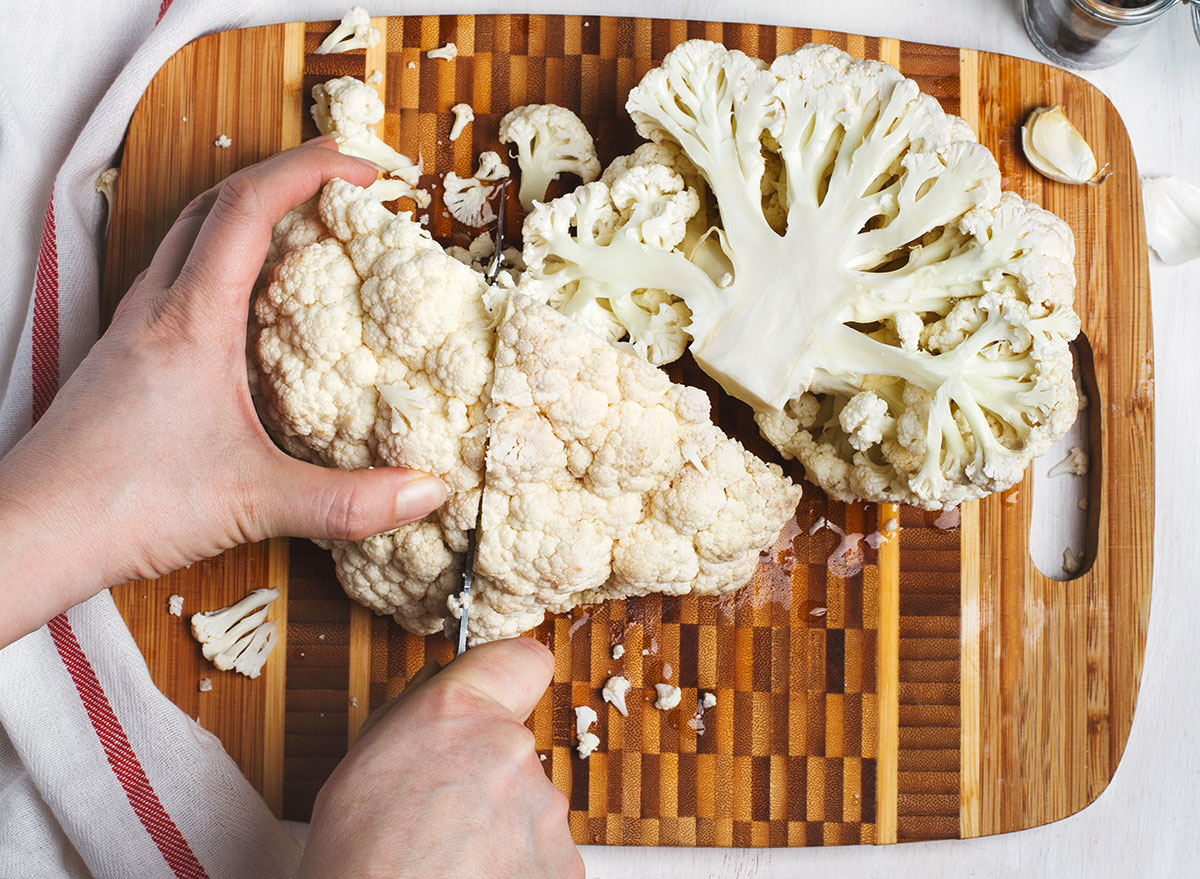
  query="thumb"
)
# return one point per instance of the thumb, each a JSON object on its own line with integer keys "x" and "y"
{"x": 512, "y": 673}
{"x": 331, "y": 504}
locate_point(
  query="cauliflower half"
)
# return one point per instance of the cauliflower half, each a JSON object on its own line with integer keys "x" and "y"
{"x": 373, "y": 347}
{"x": 606, "y": 480}
{"x": 898, "y": 324}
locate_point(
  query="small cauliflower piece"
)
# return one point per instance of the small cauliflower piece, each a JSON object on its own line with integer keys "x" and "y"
{"x": 618, "y": 651}
{"x": 175, "y": 605}
{"x": 590, "y": 492}
{"x": 106, "y": 185}
{"x": 238, "y": 637}
{"x": 707, "y": 701}
{"x": 447, "y": 52}
{"x": 550, "y": 140}
{"x": 463, "y": 116}
{"x": 668, "y": 696}
{"x": 204, "y": 685}
{"x": 614, "y": 692}
{"x": 1071, "y": 562}
{"x": 354, "y": 31}
{"x": 468, "y": 198}
{"x": 223, "y": 142}
{"x": 585, "y": 716}
{"x": 375, "y": 78}
{"x": 1074, "y": 464}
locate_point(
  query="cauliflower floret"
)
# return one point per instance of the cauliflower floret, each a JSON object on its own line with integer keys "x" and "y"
{"x": 354, "y": 31}
{"x": 447, "y": 52}
{"x": 589, "y": 492}
{"x": 463, "y": 116}
{"x": 373, "y": 346}
{"x": 350, "y": 109}
{"x": 468, "y": 198}
{"x": 615, "y": 689}
{"x": 238, "y": 637}
{"x": 550, "y": 140}
{"x": 906, "y": 269}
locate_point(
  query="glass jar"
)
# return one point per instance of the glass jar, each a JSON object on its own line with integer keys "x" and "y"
{"x": 1086, "y": 34}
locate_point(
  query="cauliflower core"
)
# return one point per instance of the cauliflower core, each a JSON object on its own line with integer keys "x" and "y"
{"x": 603, "y": 479}
{"x": 899, "y": 325}
{"x": 606, "y": 480}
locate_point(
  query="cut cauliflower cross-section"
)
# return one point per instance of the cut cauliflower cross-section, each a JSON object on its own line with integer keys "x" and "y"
{"x": 860, "y": 246}
{"x": 373, "y": 347}
{"x": 239, "y": 637}
{"x": 550, "y": 140}
{"x": 606, "y": 480}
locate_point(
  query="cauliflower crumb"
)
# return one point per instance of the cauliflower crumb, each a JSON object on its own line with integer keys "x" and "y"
{"x": 1083, "y": 503}
{"x": 618, "y": 651}
{"x": 668, "y": 696}
{"x": 463, "y": 116}
{"x": 353, "y": 701}
{"x": 175, "y": 605}
{"x": 892, "y": 524}
{"x": 412, "y": 65}
{"x": 1071, "y": 562}
{"x": 223, "y": 142}
{"x": 375, "y": 78}
{"x": 818, "y": 525}
{"x": 542, "y": 757}
{"x": 447, "y": 52}
{"x": 205, "y": 685}
{"x": 614, "y": 692}
{"x": 585, "y": 716}
{"x": 707, "y": 700}
{"x": 1074, "y": 464}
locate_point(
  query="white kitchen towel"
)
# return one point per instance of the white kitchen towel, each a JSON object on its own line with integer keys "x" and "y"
{"x": 100, "y": 775}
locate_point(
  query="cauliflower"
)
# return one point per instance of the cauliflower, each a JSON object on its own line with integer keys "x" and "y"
{"x": 668, "y": 696}
{"x": 585, "y": 716}
{"x": 350, "y": 109}
{"x": 354, "y": 31}
{"x": 447, "y": 52}
{"x": 614, "y": 691}
{"x": 550, "y": 140}
{"x": 463, "y": 116}
{"x": 106, "y": 185}
{"x": 915, "y": 349}
{"x": 372, "y": 346}
{"x": 467, "y": 198}
{"x": 591, "y": 488}
{"x": 175, "y": 605}
{"x": 238, "y": 637}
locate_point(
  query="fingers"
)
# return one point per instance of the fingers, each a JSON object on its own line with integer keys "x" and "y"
{"x": 304, "y": 500}
{"x": 232, "y": 241}
{"x": 512, "y": 673}
{"x": 173, "y": 251}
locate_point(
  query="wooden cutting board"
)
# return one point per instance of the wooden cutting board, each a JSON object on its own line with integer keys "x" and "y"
{"x": 938, "y": 687}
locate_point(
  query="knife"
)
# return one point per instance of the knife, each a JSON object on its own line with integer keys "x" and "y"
{"x": 468, "y": 577}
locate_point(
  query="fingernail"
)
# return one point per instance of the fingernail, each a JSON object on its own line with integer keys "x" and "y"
{"x": 420, "y": 496}
{"x": 370, "y": 164}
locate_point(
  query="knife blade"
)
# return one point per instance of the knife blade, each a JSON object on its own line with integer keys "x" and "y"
{"x": 468, "y": 576}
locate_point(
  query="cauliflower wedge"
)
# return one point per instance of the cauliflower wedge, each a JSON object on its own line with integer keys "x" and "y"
{"x": 606, "y": 480}
{"x": 898, "y": 325}
{"x": 550, "y": 140}
{"x": 372, "y": 346}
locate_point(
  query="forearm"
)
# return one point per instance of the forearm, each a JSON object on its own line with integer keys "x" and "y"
{"x": 52, "y": 557}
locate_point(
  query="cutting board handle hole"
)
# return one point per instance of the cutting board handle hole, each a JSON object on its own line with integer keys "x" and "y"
{"x": 1066, "y": 507}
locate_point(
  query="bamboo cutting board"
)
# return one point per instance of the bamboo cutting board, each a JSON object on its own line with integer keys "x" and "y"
{"x": 939, "y": 686}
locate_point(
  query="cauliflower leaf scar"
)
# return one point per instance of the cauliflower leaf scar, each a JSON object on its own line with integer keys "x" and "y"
{"x": 928, "y": 315}
{"x": 607, "y": 480}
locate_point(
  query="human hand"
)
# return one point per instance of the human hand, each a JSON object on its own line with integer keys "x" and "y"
{"x": 446, "y": 782}
{"x": 151, "y": 456}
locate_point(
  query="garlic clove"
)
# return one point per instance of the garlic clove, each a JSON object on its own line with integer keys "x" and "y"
{"x": 1172, "y": 218}
{"x": 1056, "y": 148}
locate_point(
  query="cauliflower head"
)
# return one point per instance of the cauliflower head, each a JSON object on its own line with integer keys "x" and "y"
{"x": 372, "y": 346}
{"x": 550, "y": 140}
{"x": 606, "y": 480}
{"x": 897, "y": 323}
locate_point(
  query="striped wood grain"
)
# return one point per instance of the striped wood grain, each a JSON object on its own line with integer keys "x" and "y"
{"x": 944, "y": 688}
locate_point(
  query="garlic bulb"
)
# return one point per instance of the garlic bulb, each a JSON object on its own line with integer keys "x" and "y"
{"x": 1056, "y": 148}
{"x": 1172, "y": 218}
